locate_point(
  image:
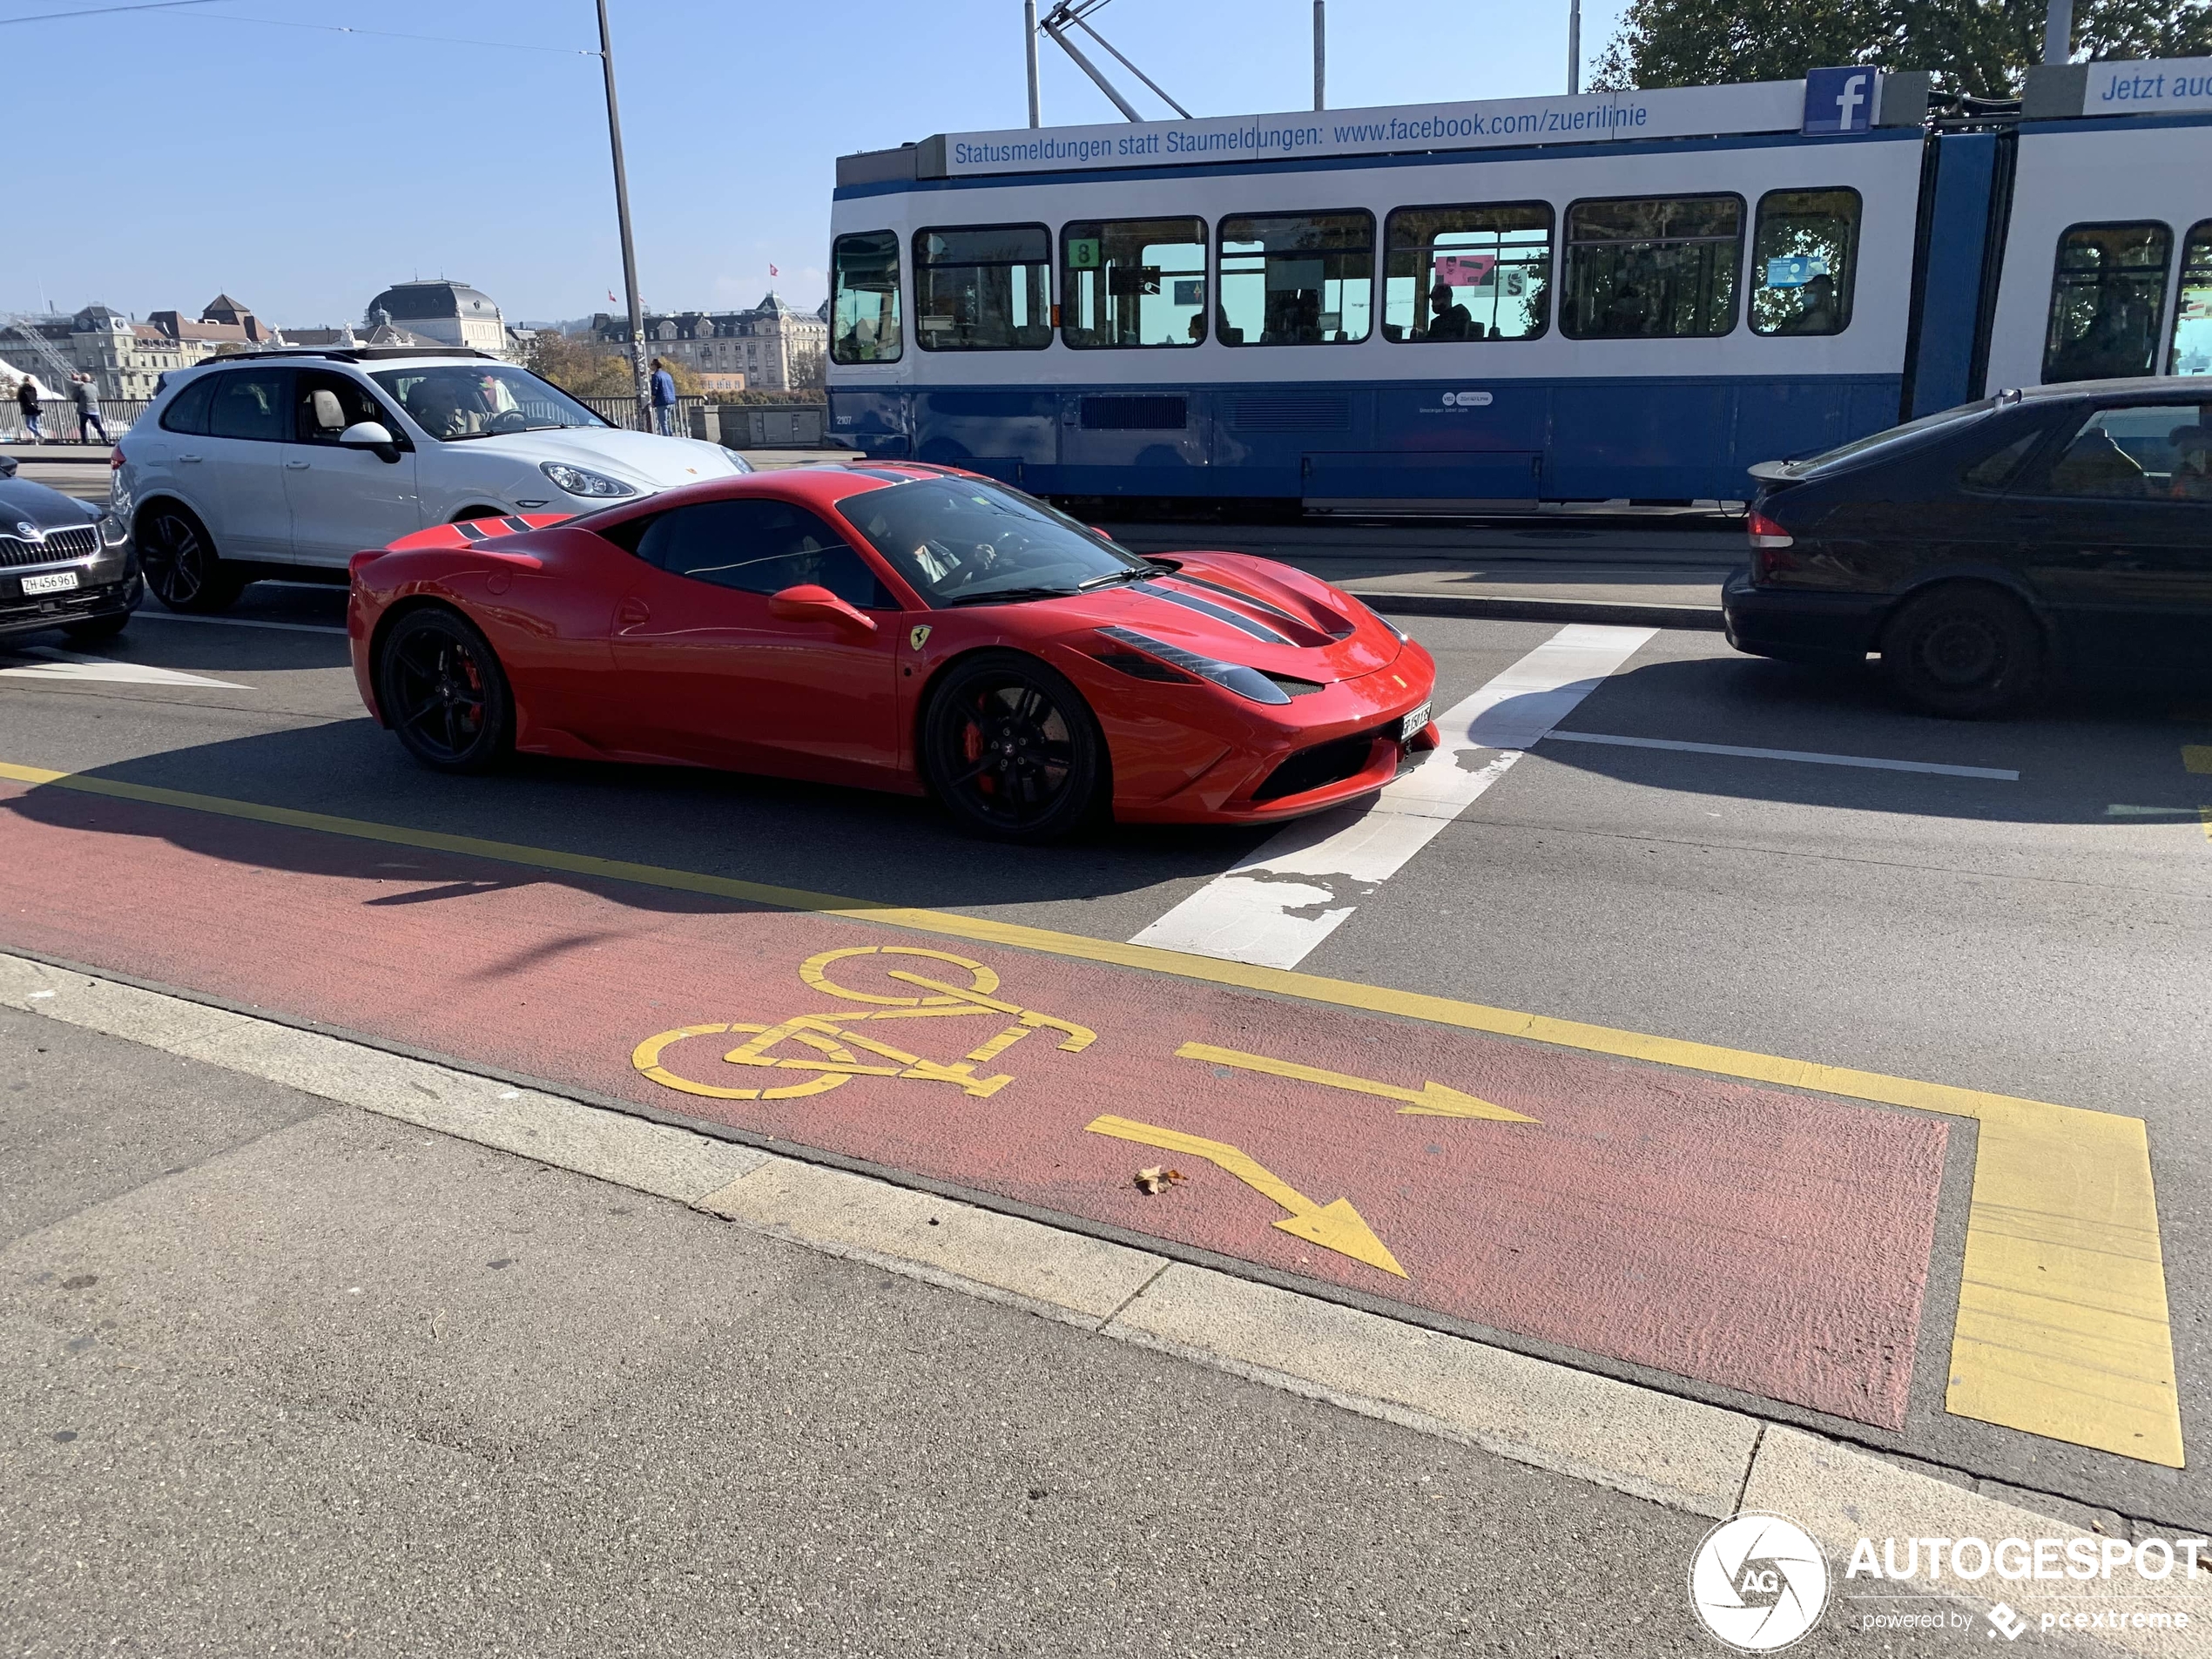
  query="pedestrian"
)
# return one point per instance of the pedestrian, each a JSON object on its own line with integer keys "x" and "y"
{"x": 88, "y": 410}
{"x": 27, "y": 401}
{"x": 664, "y": 400}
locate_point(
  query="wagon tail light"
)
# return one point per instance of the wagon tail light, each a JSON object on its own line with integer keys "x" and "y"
{"x": 1771, "y": 546}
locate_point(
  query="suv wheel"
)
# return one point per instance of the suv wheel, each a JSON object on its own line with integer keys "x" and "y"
{"x": 182, "y": 567}
{"x": 1965, "y": 651}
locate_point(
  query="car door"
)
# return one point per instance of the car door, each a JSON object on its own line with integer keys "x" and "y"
{"x": 2121, "y": 516}
{"x": 342, "y": 500}
{"x": 249, "y": 418}
{"x": 709, "y": 673}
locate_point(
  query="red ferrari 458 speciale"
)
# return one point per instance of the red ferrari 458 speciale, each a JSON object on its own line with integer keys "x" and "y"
{"x": 897, "y": 627}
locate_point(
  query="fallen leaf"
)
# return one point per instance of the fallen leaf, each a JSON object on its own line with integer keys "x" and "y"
{"x": 1155, "y": 1179}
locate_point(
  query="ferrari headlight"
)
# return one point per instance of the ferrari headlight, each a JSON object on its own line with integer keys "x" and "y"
{"x": 1248, "y": 682}
{"x": 113, "y": 531}
{"x": 582, "y": 481}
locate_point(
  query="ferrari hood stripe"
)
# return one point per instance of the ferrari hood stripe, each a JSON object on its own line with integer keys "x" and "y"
{"x": 1259, "y": 631}
{"x": 474, "y": 532}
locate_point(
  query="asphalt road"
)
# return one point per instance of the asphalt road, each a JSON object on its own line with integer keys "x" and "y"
{"x": 2043, "y": 936}
{"x": 282, "y": 1377}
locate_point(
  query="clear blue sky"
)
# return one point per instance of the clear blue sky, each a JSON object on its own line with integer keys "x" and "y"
{"x": 247, "y": 147}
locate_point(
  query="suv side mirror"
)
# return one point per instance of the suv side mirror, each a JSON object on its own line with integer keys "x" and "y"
{"x": 807, "y": 603}
{"x": 370, "y": 435}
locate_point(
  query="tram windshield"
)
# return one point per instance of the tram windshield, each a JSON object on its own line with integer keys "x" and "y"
{"x": 864, "y": 298}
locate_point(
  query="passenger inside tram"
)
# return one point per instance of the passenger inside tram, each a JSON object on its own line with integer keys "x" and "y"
{"x": 1448, "y": 319}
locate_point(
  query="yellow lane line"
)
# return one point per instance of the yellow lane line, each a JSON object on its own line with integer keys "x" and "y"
{"x": 2062, "y": 1251}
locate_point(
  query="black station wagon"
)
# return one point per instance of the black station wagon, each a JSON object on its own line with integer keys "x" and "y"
{"x": 1977, "y": 550}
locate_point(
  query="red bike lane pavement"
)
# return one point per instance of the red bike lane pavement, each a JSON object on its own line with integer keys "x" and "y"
{"x": 1749, "y": 1237}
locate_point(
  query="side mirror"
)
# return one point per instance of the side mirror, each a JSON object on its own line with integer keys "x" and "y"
{"x": 810, "y": 603}
{"x": 370, "y": 435}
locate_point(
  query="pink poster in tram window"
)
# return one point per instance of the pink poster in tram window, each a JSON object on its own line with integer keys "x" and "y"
{"x": 1466, "y": 270}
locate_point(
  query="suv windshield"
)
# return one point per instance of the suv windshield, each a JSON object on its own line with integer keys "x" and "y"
{"x": 1858, "y": 448}
{"x": 455, "y": 400}
{"x": 960, "y": 541}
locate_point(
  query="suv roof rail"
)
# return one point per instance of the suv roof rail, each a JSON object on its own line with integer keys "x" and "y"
{"x": 358, "y": 353}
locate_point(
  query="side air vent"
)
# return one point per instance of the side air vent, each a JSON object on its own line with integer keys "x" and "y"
{"x": 1292, "y": 412}
{"x": 1135, "y": 413}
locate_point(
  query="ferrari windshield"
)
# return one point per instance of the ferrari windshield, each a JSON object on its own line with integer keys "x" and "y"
{"x": 455, "y": 400}
{"x": 960, "y": 541}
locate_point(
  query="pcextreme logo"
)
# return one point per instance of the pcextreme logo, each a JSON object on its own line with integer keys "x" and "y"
{"x": 1758, "y": 1583}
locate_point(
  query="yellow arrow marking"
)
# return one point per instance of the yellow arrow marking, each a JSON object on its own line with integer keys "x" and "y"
{"x": 1430, "y": 1100}
{"x": 1335, "y": 1226}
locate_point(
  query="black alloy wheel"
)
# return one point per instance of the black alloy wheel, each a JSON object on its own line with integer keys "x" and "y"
{"x": 1966, "y": 650}
{"x": 1011, "y": 751}
{"x": 444, "y": 692}
{"x": 182, "y": 567}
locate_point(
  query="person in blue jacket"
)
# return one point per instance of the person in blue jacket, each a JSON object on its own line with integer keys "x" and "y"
{"x": 664, "y": 400}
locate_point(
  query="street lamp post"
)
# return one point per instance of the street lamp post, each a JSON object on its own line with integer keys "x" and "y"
{"x": 1573, "y": 47}
{"x": 629, "y": 246}
{"x": 1029, "y": 45}
{"x": 1320, "y": 55}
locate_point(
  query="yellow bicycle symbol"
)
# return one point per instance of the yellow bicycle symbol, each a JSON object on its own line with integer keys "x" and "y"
{"x": 830, "y": 1036}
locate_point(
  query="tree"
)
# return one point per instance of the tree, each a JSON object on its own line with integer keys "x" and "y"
{"x": 580, "y": 364}
{"x": 1980, "y": 47}
{"x": 807, "y": 373}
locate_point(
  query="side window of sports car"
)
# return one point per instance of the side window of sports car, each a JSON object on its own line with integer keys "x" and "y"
{"x": 760, "y": 546}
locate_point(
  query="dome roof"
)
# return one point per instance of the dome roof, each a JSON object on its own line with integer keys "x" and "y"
{"x": 407, "y": 301}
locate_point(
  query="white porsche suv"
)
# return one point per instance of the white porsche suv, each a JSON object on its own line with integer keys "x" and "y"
{"x": 289, "y": 461}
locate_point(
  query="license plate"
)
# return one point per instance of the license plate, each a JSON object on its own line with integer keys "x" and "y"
{"x": 1412, "y": 722}
{"x": 60, "y": 582}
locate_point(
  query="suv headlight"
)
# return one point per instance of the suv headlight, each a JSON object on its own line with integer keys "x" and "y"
{"x": 582, "y": 481}
{"x": 113, "y": 531}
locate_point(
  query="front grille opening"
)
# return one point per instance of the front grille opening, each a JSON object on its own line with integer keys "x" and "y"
{"x": 1319, "y": 766}
{"x": 75, "y": 544}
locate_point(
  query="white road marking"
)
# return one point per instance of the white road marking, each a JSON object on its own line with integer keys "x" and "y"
{"x": 2002, "y": 774}
{"x": 69, "y": 665}
{"x": 238, "y": 622}
{"x": 1273, "y": 906}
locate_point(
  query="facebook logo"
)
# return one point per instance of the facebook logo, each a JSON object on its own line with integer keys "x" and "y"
{"x": 1840, "y": 100}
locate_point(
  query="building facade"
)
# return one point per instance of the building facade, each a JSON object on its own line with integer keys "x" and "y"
{"x": 451, "y": 313}
{"x": 771, "y": 346}
{"x": 124, "y": 358}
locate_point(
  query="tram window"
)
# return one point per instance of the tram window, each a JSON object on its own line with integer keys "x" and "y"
{"x": 864, "y": 314}
{"x": 2106, "y": 298}
{"x": 1296, "y": 279}
{"x": 2192, "y": 353}
{"x": 1133, "y": 282}
{"x": 983, "y": 287}
{"x": 1467, "y": 272}
{"x": 1661, "y": 269}
{"x": 1803, "y": 256}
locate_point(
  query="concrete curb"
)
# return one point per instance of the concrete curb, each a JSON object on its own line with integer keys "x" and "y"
{"x": 1498, "y": 606}
{"x": 1679, "y": 1452}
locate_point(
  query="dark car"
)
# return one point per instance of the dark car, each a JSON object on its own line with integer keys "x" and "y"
{"x": 1978, "y": 549}
{"x": 64, "y": 563}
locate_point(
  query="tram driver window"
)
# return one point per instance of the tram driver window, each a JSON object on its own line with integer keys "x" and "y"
{"x": 1296, "y": 279}
{"x": 1803, "y": 257}
{"x": 1133, "y": 282}
{"x": 2192, "y": 352}
{"x": 864, "y": 309}
{"x": 1661, "y": 269}
{"x": 983, "y": 287}
{"x": 1456, "y": 273}
{"x": 2107, "y": 297}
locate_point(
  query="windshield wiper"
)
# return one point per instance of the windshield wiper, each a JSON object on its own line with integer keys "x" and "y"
{"x": 997, "y": 594}
{"x": 1112, "y": 577}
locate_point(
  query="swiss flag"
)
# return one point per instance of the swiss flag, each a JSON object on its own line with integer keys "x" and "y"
{"x": 774, "y": 272}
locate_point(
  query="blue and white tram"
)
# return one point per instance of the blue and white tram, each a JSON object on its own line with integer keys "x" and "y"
{"x": 1629, "y": 295}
